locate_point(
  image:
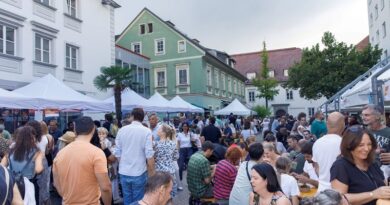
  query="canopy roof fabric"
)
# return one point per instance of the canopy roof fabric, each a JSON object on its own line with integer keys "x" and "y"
{"x": 160, "y": 104}
{"x": 131, "y": 100}
{"x": 10, "y": 99}
{"x": 52, "y": 93}
{"x": 236, "y": 108}
{"x": 179, "y": 103}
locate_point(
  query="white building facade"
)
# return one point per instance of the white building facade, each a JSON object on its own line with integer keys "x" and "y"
{"x": 287, "y": 101}
{"x": 279, "y": 62}
{"x": 379, "y": 22}
{"x": 70, "y": 39}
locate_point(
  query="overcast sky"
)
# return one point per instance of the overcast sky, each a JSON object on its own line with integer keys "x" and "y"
{"x": 240, "y": 26}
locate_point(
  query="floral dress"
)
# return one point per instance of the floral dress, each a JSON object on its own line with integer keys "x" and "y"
{"x": 166, "y": 154}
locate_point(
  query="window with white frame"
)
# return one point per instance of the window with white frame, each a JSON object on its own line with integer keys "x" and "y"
{"x": 251, "y": 95}
{"x": 160, "y": 77}
{"x": 209, "y": 76}
{"x": 136, "y": 47}
{"x": 371, "y": 20}
{"x": 271, "y": 73}
{"x": 229, "y": 84}
{"x": 150, "y": 27}
{"x": 71, "y": 57}
{"x": 71, "y": 6}
{"x": 42, "y": 49}
{"x": 384, "y": 29}
{"x": 7, "y": 40}
{"x": 182, "y": 74}
{"x": 181, "y": 46}
{"x": 376, "y": 11}
{"x": 159, "y": 46}
{"x": 377, "y": 35}
{"x": 216, "y": 75}
{"x": 289, "y": 94}
{"x": 285, "y": 72}
{"x": 142, "y": 29}
{"x": 311, "y": 111}
{"x": 46, "y": 2}
{"x": 223, "y": 81}
{"x": 251, "y": 76}
{"x": 235, "y": 86}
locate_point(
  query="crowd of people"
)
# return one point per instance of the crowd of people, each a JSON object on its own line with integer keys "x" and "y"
{"x": 226, "y": 160}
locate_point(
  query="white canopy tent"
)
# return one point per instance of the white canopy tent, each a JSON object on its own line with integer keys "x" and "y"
{"x": 359, "y": 94}
{"x": 10, "y": 99}
{"x": 159, "y": 104}
{"x": 52, "y": 93}
{"x": 179, "y": 103}
{"x": 235, "y": 107}
{"x": 131, "y": 100}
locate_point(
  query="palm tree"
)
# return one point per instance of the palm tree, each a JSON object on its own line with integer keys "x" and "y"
{"x": 117, "y": 78}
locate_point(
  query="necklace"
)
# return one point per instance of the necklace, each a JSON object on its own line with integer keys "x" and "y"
{"x": 145, "y": 202}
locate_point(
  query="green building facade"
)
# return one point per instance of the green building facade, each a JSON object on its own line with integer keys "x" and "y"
{"x": 180, "y": 65}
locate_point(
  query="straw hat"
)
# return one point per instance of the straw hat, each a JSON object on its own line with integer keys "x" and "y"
{"x": 68, "y": 137}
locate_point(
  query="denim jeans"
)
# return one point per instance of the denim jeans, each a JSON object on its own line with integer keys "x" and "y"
{"x": 185, "y": 154}
{"x": 133, "y": 188}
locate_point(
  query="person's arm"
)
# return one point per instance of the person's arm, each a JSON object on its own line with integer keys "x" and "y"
{"x": 251, "y": 198}
{"x": 39, "y": 162}
{"x": 283, "y": 201}
{"x": 304, "y": 179}
{"x": 294, "y": 200}
{"x": 105, "y": 187}
{"x": 17, "y": 199}
{"x": 361, "y": 198}
{"x": 149, "y": 153}
{"x": 118, "y": 146}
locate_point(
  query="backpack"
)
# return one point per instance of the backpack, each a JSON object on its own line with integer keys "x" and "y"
{"x": 18, "y": 176}
{"x": 7, "y": 182}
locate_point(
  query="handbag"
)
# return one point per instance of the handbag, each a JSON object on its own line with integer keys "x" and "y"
{"x": 7, "y": 180}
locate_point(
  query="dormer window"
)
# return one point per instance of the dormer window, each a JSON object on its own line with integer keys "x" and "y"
{"x": 251, "y": 76}
{"x": 142, "y": 29}
{"x": 150, "y": 27}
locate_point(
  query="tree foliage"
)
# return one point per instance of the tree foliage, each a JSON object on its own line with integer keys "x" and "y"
{"x": 117, "y": 78}
{"x": 265, "y": 84}
{"x": 323, "y": 72}
{"x": 262, "y": 111}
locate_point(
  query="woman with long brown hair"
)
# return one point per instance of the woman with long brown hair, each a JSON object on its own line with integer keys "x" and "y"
{"x": 25, "y": 157}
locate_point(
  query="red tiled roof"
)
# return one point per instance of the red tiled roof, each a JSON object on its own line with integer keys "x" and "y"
{"x": 363, "y": 44}
{"x": 278, "y": 60}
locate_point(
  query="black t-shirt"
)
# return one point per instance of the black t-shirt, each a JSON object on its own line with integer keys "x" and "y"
{"x": 358, "y": 181}
{"x": 383, "y": 138}
{"x": 211, "y": 133}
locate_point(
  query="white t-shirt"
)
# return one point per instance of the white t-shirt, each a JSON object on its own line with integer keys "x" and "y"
{"x": 309, "y": 169}
{"x": 289, "y": 185}
{"x": 325, "y": 151}
{"x": 184, "y": 139}
{"x": 43, "y": 143}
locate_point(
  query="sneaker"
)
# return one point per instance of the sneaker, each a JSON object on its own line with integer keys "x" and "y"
{"x": 180, "y": 188}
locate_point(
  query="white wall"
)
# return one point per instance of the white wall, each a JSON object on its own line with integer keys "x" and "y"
{"x": 296, "y": 105}
{"x": 94, "y": 36}
{"x": 375, "y": 24}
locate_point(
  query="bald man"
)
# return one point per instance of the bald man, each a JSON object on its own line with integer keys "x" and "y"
{"x": 327, "y": 149}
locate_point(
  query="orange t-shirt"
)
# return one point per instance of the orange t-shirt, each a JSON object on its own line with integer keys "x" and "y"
{"x": 74, "y": 170}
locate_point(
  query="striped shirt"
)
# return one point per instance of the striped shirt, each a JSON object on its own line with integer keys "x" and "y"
{"x": 225, "y": 175}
